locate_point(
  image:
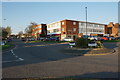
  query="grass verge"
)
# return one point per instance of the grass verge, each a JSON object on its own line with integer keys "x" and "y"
{"x": 111, "y": 41}
{"x": 6, "y": 46}
{"x": 49, "y": 41}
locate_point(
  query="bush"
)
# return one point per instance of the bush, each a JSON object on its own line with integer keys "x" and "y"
{"x": 82, "y": 42}
{"x": 100, "y": 45}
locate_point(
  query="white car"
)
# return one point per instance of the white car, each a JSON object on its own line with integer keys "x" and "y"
{"x": 67, "y": 39}
{"x": 2, "y": 43}
{"x": 92, "y": 44}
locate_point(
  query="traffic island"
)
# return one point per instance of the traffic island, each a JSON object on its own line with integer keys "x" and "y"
{"x": 87, "y": 51}
{"x": 86, "y": 47}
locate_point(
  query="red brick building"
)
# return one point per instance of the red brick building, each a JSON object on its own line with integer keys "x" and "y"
{"x": 63, "y": 29}
{"x": 112, "y": 29}
{"x": 73, "y": 29}
{"x": 39, "y": 30}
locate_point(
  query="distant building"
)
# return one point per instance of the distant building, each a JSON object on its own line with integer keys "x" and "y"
{"x": 93, "y": 29}
{"x": 39, "y": 30}
{"x": 63, "y": 29}
{"x": 73, "y": 29}
{"x": 112, "y": 29}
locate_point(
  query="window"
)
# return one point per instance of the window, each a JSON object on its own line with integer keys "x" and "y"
{"x": 82, "y": 24}
{"x": 62, "y": 29}
{"x": 63, "y": 23}
{"x": 48, "y": 31}
{"x": 74, "y": 29}
{"x": 56, "y": 30}
{"x": 74, "y": 23}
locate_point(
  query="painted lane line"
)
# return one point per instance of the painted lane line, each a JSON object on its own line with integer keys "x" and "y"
{"x": 21, "y": 59}
{"x": 10, "y": 61}
{"x": 16, "y": 56}
{"x": 12, "y": 51}
{"x": 18, "y": 59}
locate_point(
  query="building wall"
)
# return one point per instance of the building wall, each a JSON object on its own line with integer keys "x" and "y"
{"x": 92, "y": 28}
{"x": 54, "y": 28}
{"x": 112, "y": 29}
{"x": 39, "y": 30}
{"x": 72, "y": 29}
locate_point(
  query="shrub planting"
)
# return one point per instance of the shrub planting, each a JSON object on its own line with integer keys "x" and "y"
{"x": 82, "y": 42}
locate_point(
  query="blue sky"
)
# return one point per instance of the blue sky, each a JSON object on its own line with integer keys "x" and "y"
{"x": 18, "y": 15}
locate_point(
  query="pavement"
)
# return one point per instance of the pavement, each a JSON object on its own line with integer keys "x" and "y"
{"x": 35, "y": 60}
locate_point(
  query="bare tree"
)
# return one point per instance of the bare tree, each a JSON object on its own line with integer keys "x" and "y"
{"x": 28, "y": 30}
{"x": 20, "y": 34}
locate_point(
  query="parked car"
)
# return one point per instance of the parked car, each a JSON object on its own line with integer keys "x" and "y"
{"x": 94, "y": 38}
{"x": 110, "y": 38}
{"x": 67, "y": 39}
{"x": 71, "y": 44}
{"x": 104, "y": 38}
{"x": 9, "y": 40}
{"x": 30, "y": 39}
{"x": 23, "y": 39}
{"x": 53, "y": 39}
{"x": 2, "y": 43}
{"x": 91, "y": 38}
{"x": 92, "y": 44}
{"x": 117, "y": 38}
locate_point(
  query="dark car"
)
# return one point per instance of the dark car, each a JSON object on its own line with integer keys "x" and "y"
{"x": 9, "y": 40}
{"x": 42, "y": 38}
{"x": 23, "y": 39}
{"x": 53, "y": 39}
{"x": 117, "y": 38}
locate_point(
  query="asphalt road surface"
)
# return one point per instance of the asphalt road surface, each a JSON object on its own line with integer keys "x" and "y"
{"x": 43, "y": 60}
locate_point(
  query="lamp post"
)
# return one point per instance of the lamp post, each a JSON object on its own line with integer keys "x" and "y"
{"x": 86, "y": 19}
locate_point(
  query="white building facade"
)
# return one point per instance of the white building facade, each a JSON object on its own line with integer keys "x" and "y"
{"x": 92, "y": 28}
{"x": 54, "y": 28}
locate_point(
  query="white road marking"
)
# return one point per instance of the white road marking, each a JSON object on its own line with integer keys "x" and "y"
{"x": 18, "y": 58}
{"x": 21, "y": 59}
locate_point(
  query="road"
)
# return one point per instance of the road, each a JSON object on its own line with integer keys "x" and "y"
{"x": 45, "y": 60}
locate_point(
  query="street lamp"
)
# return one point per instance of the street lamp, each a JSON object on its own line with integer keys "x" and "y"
{"x": 86, "y": 19}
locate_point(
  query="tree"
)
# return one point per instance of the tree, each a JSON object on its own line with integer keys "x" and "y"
{"x": 8, "y": 30}
{"x": 4, "y": 32}
{"x": 20, "y": 34}
{"x": 28, "y": 30}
